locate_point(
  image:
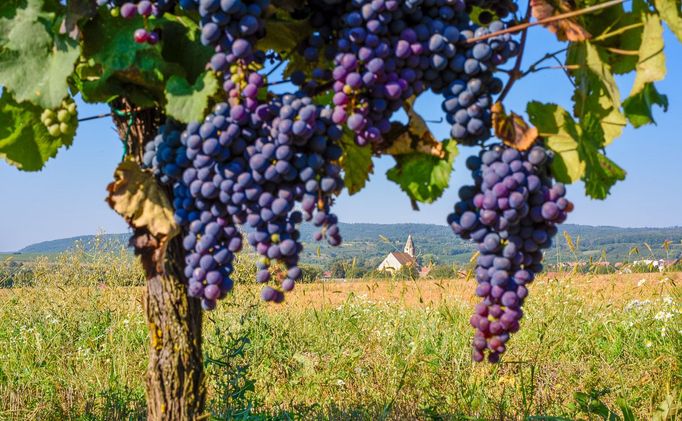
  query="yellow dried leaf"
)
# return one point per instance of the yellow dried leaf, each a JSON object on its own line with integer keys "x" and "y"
{"x": 415, "y": 137}
{"x": 136, "y": 196}
{"x": 512, "y": 129}
{"x": 567, "y": 29}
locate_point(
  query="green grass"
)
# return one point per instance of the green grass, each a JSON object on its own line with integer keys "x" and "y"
{"x": 365, "y": 350}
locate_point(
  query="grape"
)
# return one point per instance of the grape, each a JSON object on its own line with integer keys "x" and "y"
{"x": 62, "y": 121}
{"x": 271, "y": 161}
{"x": 509, "y": 240}
{"x": 128, "y": 9}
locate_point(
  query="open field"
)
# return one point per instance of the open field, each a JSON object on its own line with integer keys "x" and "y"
{"x": 363, "y": 350}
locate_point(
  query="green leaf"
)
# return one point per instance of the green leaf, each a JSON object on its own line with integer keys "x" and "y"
{"x": 289, "y": 5}
{"x": 77, "y": 10}
{"x": 35, "y": 62}
{"x": 600, "y": 172}
{"x": 651, "y": 64}
{"x": 24, "y": 140}
{"x": 596, "y": 90}
{"x": 628, "y": 414}
{"x": 650, "y": 68}
{"x": 185, "y": 102}
{"x": 562, "y": 136}
{"x": 671, "y": 12}
{"x": 356, "y": 163}
{"x": 118, "y": 66}
{"x": 577, "y": 148}
{"x": 182, "y": 45}
{"x": 630, "y": 40}
{"x": 638, "y": 108}
{"x": 424, "y": 177}
{"x": 283, "y": 34}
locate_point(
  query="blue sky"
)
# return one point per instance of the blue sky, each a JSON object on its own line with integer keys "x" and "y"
{"x": 67, "y": 198}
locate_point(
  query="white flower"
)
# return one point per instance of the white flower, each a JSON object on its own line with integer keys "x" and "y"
{"x": 641, "y": 282}
{"x": 648, "y": 344}
{"x": 637, "y": 304}
{"x": 340, "y": 383}
{"x": 663, "y": 316}
{"x": 668, "y": 300}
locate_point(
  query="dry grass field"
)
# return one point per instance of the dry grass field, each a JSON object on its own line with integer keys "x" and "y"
{"x": 358, "y": 350}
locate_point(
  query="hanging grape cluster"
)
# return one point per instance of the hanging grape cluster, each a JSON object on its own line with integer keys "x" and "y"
{"x": 61, "y": 121}
{"x": 511, "y": 212}
{"x": 260, "y": 163}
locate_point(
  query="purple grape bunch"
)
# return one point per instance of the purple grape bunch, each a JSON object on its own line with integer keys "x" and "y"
{"x": 232, "y": 28}
{"x": 297, "y": 162}
{"x": 165, "y": 154}
{"x": 388, "y": 51}
{"x": 242, "y": 167}
{"x": 128, "y": 9}
{"x": 467, "y": 80}
{"x": 511, "y": 212}
{"x": 209, "y": 198}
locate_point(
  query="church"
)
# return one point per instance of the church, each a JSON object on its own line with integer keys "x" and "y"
{"x": 396, "y": 259}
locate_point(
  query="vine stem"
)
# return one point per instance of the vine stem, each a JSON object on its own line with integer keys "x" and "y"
{"x": 527, "y": 24}
{"x": 618, "y": 31}
{"x": 515, "y": 73}
{"x": 547, "y": 56}
{"x": 105, "y": 115}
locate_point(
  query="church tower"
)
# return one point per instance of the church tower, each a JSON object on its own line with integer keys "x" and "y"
{"x": 409, "y": 246}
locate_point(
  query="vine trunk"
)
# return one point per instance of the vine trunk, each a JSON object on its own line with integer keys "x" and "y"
{"x": 174, "y": 383}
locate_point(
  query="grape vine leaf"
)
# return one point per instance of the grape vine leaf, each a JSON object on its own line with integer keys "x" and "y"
{"x": 356, "y": 162}
{"x": 424, "y": 177}
{"x": 182, "y": 45}
{"x": 565, "y": 29}
{"x": 601, "y": 173}
{"x": 413, "y": 137}
{"x": 185, "y": 102}
{"x": 34, "y": 61}
{"x": 284, "y": 34}
{"x": 75, "y": 11}
{"x": 577, "y": 148}
{"x": 638, "y": 107}
{"x": 138, "y": 198}
{"x": 561, "y": 135}
{"x": 651, "y": 64}
{"x": 115, "y": 65}
{"x": 24, "y": 140}
{"x": 512, "y": 129}
{"x": 289, "y": 5}
{"x": 596, "y": 90}
{"x": 671, "y": 12}
{"x": 630, "y": 40}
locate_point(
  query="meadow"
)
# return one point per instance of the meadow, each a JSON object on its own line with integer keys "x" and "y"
{"x": 589, "y": 344}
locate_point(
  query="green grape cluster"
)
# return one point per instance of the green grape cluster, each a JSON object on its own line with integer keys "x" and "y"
{"x": 61, "y": 121}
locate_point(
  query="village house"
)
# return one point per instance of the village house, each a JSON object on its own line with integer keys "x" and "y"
{"x": 397, "y": 259}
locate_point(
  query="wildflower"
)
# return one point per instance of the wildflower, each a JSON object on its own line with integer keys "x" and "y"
{"x": 340, "y": 383}
{"x": 668, "y": 300}
{"x": 641, "y": 282}
{"x": 663, "y": 316}
{"x": 648, "y": 344}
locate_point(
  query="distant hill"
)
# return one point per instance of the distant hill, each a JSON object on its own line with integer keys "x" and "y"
{"x": 64, "y": 244}
{"x": 369, "y": 243}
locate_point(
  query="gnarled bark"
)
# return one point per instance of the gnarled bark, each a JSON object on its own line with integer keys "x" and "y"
{"x": 175, "y": 377}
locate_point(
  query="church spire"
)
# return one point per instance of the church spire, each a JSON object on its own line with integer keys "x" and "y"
{"x": 409, "y": 246}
